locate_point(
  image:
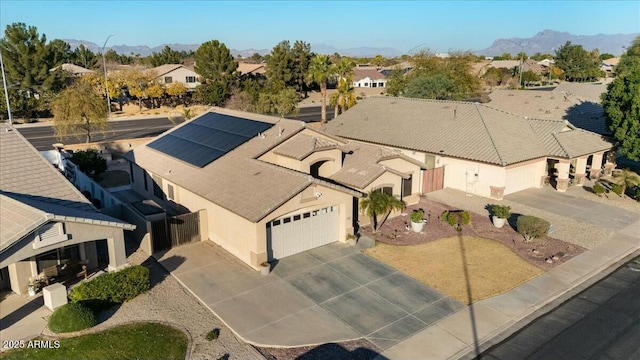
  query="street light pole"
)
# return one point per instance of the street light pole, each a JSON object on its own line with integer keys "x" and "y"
{"x": 106, "y": 84}
{"x": 6, "y": 92}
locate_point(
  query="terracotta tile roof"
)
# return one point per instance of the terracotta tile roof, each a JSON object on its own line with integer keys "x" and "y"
{"x": 557, "y": 104}
{"x": 238, "y": 181}
{"x": 32, "y": 192}
{"x": 458, "y": 129}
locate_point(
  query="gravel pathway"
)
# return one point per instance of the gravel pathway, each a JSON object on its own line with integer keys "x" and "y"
{"x": 566, "y": 229}
{"x": 167, "y": 301}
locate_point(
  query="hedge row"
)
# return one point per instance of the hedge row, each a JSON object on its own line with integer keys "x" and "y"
{"x": 116, "y": 287}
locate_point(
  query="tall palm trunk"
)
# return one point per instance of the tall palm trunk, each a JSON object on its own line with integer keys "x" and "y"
{"x": 335, "y": 111}
{"x": 323, "y": 96}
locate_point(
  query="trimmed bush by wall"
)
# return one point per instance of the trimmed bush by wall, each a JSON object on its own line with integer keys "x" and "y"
{"x": 71, "y": 317}
{"x": 116, "y": 287}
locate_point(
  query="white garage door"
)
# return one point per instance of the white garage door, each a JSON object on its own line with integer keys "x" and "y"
{"x": 300, "y": 232}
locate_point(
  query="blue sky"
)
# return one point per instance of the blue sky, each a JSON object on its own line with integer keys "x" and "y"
{"x": 438, "y": 25}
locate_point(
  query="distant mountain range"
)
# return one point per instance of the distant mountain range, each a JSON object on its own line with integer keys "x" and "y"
{"x": 547, "y": 41}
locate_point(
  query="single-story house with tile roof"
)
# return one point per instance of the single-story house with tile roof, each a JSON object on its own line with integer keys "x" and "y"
{"x": 369, "y": 78}
{"x": 272, "y": 187}
{"x": 251, "y": 69}
{"x": 45, "y": 221}
{"x": 580, "y": 112}
{"x": 73, "y": 69}
{"x": 586, "y": 91}
{"x": 170, "y": 73}
{"x": 478, "y": 149}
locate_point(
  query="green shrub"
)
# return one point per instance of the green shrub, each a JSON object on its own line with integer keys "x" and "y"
{"x": 71, "y": 317}
{"x": 213, "y": 334}
{"x": 636, "y": 194}
{"x": 456, "y": 218}
{"x": 531, "y": 227}
{"x": 616, "y": 189}
{"x": 598, "y": 189}
{"x": 466, "y": 217}
{"x": 501, "y": 211}
{"x": 417, "y": 215}
{"x": 116, "y": 287}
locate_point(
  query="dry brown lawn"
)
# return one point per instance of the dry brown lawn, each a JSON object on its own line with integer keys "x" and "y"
{"x": 492, "y": 268}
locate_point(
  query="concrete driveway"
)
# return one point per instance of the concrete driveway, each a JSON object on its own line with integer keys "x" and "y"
{"x": 21, "y": 317}
{"x": 575, "y": 207}
{"x": 328, "y": 294}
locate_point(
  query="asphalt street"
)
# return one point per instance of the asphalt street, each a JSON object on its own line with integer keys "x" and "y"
{"x": 42, "y": 136}
{"x": 602, "y": 322}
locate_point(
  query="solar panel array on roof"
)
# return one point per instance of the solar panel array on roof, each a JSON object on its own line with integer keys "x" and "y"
{"x": 207, "y": 138}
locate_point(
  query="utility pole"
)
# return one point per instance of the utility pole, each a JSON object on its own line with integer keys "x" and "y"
{"x": 6, "y": 91}
{"x": 106, "y": 84}
{"x": 520, "y": 74}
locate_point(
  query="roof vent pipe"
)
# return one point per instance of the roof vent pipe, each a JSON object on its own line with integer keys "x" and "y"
{"x": 454, "y": 113}
{"x": 280, "y": 130}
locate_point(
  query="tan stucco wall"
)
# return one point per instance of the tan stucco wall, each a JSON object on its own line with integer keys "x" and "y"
{"x": 407, "y": 168}
{"x": 524, "y": 176}
{"x": 455, "y": 176}
{"x": 333, "y": 164}
{"x": 179, "y": 75}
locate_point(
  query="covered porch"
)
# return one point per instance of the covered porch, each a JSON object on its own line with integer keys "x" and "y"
{"x": 562, "y": 173}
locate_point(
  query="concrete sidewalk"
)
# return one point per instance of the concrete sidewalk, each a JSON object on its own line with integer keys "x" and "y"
{"x": 465, "y": 332}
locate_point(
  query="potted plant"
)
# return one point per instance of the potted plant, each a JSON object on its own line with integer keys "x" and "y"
{"x": 416, "y": 220}
{"x": 500, "y": 215}
{"x": 265, "y": 268}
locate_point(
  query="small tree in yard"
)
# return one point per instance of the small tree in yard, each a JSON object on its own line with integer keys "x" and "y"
{"x": 79, "y": 110}
{"x": 531, "y": 227}
{"x": 90, "y": 162}
{"x": 378, "y": 203}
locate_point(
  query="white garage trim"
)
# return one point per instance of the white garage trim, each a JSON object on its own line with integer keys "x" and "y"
{"x": 300, "y": 232}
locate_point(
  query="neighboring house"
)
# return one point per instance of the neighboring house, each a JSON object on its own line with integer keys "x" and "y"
{"x": 473, "y": 147}
{"x": 73, "y": 69}
{"x": 404, "y": 66}
{"x": 583, "y": 113}
{"x": 533, "y": 66}
{"x": 251, "y": 69}
{"x": 587, "y": 91}
{"x": 546, "y": 63}
{"x": 368, "y": 78}
{"x": 504, "y": 64}
{"x": 171, "y": 73}
{"x": 608, "y": 66}
{"x": 271, "y": 187}
{"x": 46, "y": 221}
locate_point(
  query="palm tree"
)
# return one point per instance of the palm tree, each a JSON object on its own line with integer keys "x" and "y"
{"x": 320, "y": 71}
{"x": 626, "y": 178}
{"x": 343, "y": 98}
{"x": 378, "y": 203}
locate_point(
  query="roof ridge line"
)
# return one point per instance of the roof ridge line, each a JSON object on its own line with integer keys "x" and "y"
{"x": 555, "y": 136}
{"x": 502, "y": 162}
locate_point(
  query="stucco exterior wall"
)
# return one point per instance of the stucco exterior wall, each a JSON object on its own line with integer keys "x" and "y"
{"x": 180, "y": 75}
{"x": 524, "y": 176}
{"x": 333, "y": 164}
{"x": 455, "y": 176}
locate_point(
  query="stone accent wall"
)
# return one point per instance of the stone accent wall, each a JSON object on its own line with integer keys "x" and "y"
{"x": 497, "y": 192}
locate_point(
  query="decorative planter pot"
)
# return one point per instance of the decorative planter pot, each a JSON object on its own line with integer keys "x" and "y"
{"x": 498, "y": 222}
{"x": 417, "y": 227}
{"x": 265, "y": 268}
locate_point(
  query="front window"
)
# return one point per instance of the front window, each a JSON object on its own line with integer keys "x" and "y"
{"x": 168, "y": 79}
{"x": 191, "y": 79}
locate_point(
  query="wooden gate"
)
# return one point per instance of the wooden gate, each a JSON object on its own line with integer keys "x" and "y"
{"x": 175, "y": 231}
{"x": 432, "y": 179}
